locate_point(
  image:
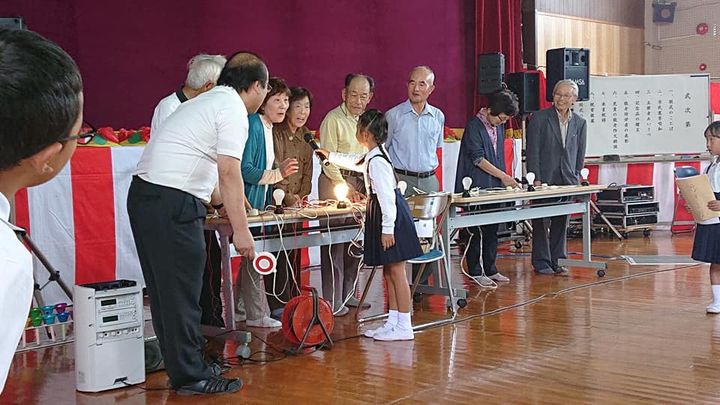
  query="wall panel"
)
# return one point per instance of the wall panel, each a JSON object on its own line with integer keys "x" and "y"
{"x": 614, "y": 49}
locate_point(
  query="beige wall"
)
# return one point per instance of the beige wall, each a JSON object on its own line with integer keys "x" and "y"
{"x": 614, "y": 49}
{"x": 676, "y": 47}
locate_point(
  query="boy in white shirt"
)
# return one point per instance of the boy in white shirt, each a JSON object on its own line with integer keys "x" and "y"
{"x": 41, "y": 114}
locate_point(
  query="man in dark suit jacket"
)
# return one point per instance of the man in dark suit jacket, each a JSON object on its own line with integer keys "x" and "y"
{"x": 556, "y": 139}
{"x": 482, "y": 159}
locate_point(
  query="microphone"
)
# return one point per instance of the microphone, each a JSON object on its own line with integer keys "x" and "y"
{"x": 309, "y": 139}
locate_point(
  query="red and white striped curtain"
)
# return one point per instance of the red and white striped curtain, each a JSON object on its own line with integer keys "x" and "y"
{"x": 79, "y": 220}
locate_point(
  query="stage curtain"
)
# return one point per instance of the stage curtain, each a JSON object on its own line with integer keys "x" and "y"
{"x": 715, "y": 97}
{"x": 498, "y": 28}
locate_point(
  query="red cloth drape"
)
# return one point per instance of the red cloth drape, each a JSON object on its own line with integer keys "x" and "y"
{"x": 498, "y": 28}
{"x": 715, "y": 97}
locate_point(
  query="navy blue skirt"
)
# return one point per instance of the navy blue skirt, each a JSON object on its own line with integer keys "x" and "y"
{"x": 407, "y": 245}
{"x": 706, "y": 247}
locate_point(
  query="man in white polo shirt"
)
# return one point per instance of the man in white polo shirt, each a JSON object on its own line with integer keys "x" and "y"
{"x": 196, "y": 148}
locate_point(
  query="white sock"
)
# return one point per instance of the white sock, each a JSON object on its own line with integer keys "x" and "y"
{"x": 404, "y": 320}
{"x": 392, "y": 319}
{"x": 716, "y": 293}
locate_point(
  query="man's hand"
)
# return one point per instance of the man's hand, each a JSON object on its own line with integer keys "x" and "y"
{"x": 244, "y": 244}
{"x": 288, "y": 167}
{"x": 714, "y": 205}
{"x": 509, "y": 181}
{"x": 388, "y": 241}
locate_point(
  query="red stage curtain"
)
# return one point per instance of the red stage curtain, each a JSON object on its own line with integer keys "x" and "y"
{"x": 498, "y": 28}
{"x": 715, "y": 97}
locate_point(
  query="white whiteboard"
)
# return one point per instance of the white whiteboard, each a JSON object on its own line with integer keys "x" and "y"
{"x": 646, "y": 114}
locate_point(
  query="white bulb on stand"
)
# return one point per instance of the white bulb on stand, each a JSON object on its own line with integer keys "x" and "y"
{"x": 341, "y": 192}
{"x": 402, "y": 186}
{"x": 584, "y": 173}
{"x": 466, "y": 183}
{"x": 278, "y": 196}
{"x": 530, "y": 176}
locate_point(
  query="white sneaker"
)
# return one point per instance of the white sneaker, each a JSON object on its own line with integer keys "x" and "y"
{"x": 264, "y": 322}
{"x": 395, "y": 333}
{"x": 372, "y": 332}
{"x": 484, "y": 281}
{"x": 713, "y": 308}
{"x": 499, "y": 277}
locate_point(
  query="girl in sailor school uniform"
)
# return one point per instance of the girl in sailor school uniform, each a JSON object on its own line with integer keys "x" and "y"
{"x": 390, "y": 237}
{"x": 706, "y": 247}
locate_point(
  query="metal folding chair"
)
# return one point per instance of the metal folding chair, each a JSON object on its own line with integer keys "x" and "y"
{"x": 682, "y": 225}
{"x": 431, "y": 208}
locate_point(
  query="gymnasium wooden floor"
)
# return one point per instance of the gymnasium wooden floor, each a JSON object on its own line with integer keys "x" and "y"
{"x": 641, "y": 335}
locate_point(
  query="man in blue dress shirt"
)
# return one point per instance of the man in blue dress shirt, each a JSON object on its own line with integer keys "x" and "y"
{"x": 415, "y": 132}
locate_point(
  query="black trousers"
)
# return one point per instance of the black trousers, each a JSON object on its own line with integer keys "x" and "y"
{"x": 167, "y": 225}
{"x": 483, "y": 243}
{"x": 210, "y": 300}
{"x": 284, "y": 285}
{"x": 549, "y": 238}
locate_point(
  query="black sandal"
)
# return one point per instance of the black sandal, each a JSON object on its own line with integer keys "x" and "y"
{"x": 212, "y": 385}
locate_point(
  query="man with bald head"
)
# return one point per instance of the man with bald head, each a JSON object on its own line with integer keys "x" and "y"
{"x": 196, "y": 148}
{"x": 415, "y": 132}
{"x": 337, "y": 134}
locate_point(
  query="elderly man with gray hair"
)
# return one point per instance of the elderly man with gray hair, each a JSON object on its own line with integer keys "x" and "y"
{"x": 556, "y": 139}
{"x": 203, "y": 73}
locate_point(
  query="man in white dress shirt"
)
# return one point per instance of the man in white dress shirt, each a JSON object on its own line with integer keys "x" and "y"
{"x": 195, "y": 149}
{"x": 41, "y": 91}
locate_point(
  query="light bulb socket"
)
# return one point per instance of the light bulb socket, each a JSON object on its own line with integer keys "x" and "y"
{"x": 530, "y": 187}
{"x": 279, "y": 210}
{"x": 341, "y": 204}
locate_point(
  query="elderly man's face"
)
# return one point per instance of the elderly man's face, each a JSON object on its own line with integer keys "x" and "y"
{"x": 564, "y": 97}
{"x": 420, "y": 86}
{"x": 357, "y": 95}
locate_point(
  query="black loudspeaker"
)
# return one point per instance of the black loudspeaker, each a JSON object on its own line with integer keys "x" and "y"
{"x": 664, "y": 13}
{"x": 526, "y": 85}
{"x": 153, "y": 355}
{"x": 13, "y": 23}
{"x": 491, "y": 68}
{"x": 568, "y": 63}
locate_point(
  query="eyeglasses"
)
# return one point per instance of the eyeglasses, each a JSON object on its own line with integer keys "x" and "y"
{"x": 558, "y": 95}
{"x": 82, "y": 139}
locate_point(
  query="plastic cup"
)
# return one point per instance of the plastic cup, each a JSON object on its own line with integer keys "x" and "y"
{"x": 60, "y": 308}
{"x": 49, "y": 319}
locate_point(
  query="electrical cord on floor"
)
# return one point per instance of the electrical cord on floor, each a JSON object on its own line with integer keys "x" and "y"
{"x": 282, "y": 354}
{"x": 554, "y": 294}
{"x": 138, "y": 385}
